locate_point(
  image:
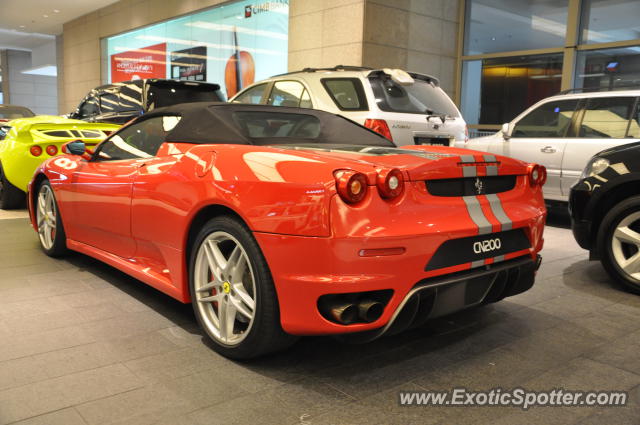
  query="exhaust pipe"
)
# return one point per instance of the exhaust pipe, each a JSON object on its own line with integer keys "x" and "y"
{"x": 342, "y": 312}
{"x": 370, "y": 310}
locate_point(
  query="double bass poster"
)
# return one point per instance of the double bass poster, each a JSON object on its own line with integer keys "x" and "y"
{"x": 232, "y": 45}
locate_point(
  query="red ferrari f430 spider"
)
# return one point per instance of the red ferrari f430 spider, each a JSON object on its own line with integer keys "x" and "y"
{"x": 276, "y": 222}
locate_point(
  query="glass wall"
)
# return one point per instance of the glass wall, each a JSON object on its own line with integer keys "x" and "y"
{"x": 231, "y": 45}
{"x": 604, "y": 21}
{"x": 507, "y": 86}
{"x": 518, "y": 52}
{"x": 509, "y": 25}
{"x": 608, "y": 69}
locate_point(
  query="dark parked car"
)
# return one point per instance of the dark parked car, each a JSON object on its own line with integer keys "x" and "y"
{"x": 605, "y": 212}
{"x": 119, "y": 102}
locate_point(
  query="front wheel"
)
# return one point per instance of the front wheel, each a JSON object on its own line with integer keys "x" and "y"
{"x": 619, "y": 243}
{"x": 232, "y": 291}
{"x": 53, "y": 240}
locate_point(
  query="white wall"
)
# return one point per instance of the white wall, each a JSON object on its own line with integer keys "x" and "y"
{"x": 36, "y": 92}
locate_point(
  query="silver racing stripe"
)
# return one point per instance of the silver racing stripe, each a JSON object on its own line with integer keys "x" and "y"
{"x": 476, "y": 214}
{"x": 478, "y": 263}
{"x": 492, "y": 170}
{"x": 468, "y": 170}
{"x": 498, "y": 211}
{"x": 505, "y": 222}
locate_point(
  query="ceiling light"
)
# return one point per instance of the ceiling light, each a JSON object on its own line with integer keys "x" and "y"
{"x": 45, "y": 16}
{"x": 48, "y": 70}
{"x": 56, "y": 11}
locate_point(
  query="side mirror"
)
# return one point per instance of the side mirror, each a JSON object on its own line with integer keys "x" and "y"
{"x": 77, "y": 147}
{"x": 506, "y": 131}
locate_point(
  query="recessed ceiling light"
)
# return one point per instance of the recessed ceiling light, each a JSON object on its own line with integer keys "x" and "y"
{"x": 22, "y": 26}
{"x": 45, "y": 16}
{"x": 56, "y": 11}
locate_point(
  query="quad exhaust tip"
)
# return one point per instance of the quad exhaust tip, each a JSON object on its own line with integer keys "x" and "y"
{"x": 348, "y": 312}
{"x": 370, "y": 310}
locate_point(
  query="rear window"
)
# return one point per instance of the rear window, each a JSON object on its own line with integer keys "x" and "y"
{"x": 420, "y": 97}
{"x": 265, "y": 128}
{"x": 263, "y": 124}
{"x": 14, "y": 112}
{"x": 160, "y": 95}
{"x": 346, "y": 93}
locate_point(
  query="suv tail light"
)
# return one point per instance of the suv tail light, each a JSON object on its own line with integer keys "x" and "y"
{"x": 537, "y": 174}
{"x": 379, "y": 126}
{"x": 390, "y": 183}
{"x": 352, "y": 186}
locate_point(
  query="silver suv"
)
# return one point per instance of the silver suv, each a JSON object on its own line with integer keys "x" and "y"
{"x": 563, "y": 132}
{"x": 406, "y": 107}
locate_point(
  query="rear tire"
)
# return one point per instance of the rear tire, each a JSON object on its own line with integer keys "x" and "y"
{"x": 10, "y": 196}
{"x": 232, "y": 291}
{"x": 53, "y": 239}
{"x": 619, "y": 243}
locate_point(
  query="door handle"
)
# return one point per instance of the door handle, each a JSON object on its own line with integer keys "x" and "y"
{"x": 548, "y": 149}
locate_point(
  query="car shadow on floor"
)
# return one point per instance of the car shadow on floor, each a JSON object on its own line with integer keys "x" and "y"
{"x": 312, "y": 355}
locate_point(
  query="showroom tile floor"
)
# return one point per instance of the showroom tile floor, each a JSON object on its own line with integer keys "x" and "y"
{"x": 81, "y": 343}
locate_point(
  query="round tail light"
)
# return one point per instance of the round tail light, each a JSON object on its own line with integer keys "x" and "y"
{"x": 52, "y": 150}
{"x": 537, "y": 174}
{"x": 390, "y": 183}
{"x": 35, "y": 150}
{"x": 352, "y": 186}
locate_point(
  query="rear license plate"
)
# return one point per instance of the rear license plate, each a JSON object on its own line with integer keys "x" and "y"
{"x": 438, "y": 141}
{"x": 465, "y": 250}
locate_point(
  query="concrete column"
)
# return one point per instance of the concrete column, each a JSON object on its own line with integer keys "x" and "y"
{"x": 416, "y": 35}
{"x": 36, "y": 92}
{"x": 325, "y": 33}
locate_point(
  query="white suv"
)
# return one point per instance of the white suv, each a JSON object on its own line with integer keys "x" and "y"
{"x": 406, "y": 107}
{"x": 563, "y": 132}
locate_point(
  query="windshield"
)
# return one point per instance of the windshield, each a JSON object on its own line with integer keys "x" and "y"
{"x": 420, "y": 97}
{"x": 14, "y": 112}
{"x": 264, "y": 128}
{"x": 160, "y": 95}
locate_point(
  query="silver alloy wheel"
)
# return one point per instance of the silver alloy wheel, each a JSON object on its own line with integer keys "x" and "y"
{"x": 224, "y": 288}
{"x": 46, "y": 216}
{"x": 623, "y": 239}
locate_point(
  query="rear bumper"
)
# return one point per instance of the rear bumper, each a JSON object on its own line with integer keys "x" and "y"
{"x": 579, "y": 199}
{"x": 304, "y": 269}
{"x": 436, "y": 297}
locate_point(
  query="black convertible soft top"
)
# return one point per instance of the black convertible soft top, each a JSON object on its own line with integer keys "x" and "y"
{"x": 226, "y": 123}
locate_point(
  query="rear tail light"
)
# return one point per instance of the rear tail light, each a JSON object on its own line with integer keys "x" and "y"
{"x": 52, "y": 150}
{"x": 379, "y": 126}
{"x": 352, "y": 186}
{"x": 35, "y": 150}
{"x": 390, "y": 183}
{"x": 537, "y": 174}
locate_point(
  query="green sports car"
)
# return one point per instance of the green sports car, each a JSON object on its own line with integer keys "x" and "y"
{"x": 26, "y": 142}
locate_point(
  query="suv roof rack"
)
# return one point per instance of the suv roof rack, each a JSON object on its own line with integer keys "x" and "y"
{"x": 335, "y": 68}
{"x": 601, "y": 89}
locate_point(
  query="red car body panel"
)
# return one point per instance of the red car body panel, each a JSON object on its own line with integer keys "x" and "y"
{"x": 136, "y": 214}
